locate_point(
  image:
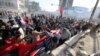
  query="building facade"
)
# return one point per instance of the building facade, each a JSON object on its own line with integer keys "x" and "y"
{"x": 13, "y": 5}
{"x": 34, "y": 6}
{"x": 27, "y": 5}
{"x": 66, "y": 4}
{"x": 8, "y": 5}
{"x": 21, "y": 6}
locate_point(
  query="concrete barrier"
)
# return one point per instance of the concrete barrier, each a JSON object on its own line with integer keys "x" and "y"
{"x": 61, "y": 50}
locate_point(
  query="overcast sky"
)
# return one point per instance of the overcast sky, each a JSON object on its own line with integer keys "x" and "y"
{"x": 46, "y": 4}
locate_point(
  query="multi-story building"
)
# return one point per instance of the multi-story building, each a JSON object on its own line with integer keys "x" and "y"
{"x": 27, "y": 2}
{"x": 8, "y": 5}
{"x": 13, "y": 5}
{"x": 66, "y": 3}
{"x": 34, "y": 6}
{"x": 21, "y": 6}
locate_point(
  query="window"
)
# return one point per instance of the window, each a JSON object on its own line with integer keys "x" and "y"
{"x": 21, "y": 0}
{"x": 99, "y": 16}
{"x": 0, "y": 3}
{"x": 6, "y": 4}
{"x": 21, "y": 6}
{"x": 12, "y": 5}
{"x": 9, "y": 4}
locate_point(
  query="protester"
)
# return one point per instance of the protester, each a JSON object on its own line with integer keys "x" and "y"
{"x": 57, "y": 29}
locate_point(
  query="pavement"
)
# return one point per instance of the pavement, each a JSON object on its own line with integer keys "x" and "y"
{"x": 91, "y": 43}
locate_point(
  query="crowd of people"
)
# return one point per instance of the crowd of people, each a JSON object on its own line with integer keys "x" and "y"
{"x": 37, "y": 31}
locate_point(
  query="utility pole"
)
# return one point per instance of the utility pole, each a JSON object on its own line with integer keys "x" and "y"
{"x": 94, "y": 37}
{"x": 91, "y": 17}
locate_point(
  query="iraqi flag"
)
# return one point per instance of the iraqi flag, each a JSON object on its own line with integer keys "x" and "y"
{"x": 61, "y": 8}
